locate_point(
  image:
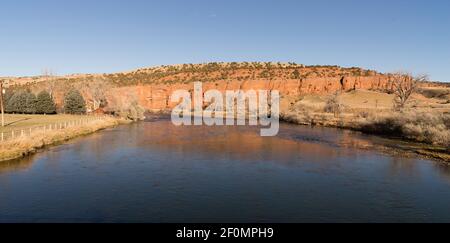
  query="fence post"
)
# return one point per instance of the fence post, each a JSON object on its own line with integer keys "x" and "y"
{"x": 30, "y": 131}
{"x": 12, "y": 134}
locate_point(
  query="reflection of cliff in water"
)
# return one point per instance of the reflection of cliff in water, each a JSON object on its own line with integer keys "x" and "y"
{"x": 156, "y": 172}
{"x": 293, "y": 146}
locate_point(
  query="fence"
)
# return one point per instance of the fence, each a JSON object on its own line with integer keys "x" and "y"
{"x": 28, "y": 131}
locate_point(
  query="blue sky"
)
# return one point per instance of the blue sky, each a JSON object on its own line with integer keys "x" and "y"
{"x": 81, "y": 36}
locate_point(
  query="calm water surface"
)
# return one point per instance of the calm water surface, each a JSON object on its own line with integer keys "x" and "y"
{"x": 155, "y": 172}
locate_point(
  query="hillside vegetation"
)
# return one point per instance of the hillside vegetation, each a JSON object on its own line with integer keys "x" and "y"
{"x": 210, "y": 72}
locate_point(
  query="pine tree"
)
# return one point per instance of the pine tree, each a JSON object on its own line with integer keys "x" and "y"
{"x": 74, "y": 103}
{"x": 17, "y": 102}
{"x": 6, "y": 98}
{"x": 30, "y": 103}
{"x": 45, "y": 104}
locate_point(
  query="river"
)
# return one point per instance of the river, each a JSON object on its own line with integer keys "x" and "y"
{"x": 155, "y": 172}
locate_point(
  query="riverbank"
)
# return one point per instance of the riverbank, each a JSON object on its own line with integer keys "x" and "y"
{"x": 25, "y": 145}
{"x": 421, "y": 127}
{"x": 422, "y": 133}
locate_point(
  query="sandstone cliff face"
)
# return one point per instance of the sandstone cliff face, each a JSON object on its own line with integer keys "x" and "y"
{"x": 156, "y": 97}
{"x": 152, "y": 87}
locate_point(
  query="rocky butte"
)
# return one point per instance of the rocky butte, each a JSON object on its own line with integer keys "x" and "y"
{"x": 151, "y": 87}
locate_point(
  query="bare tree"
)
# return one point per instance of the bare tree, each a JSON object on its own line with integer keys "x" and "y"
{"x": 334, "y": 105}
{"x": 97, "y": 88}
{"x": 127, "y": 106}
{"x": 49, "y": 79}
{"x": 404, "y": 85}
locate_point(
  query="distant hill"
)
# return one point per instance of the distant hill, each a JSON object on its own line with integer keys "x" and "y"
{"x": 152, "y": 87}
{"x": 185, "y": 73}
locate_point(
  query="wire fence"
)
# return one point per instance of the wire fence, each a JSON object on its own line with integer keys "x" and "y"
{"x": 29, "y": 131}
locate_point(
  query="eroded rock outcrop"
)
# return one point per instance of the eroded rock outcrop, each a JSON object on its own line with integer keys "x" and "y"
{"x": 157, "y": 96}
{"x": 152, "y": 87}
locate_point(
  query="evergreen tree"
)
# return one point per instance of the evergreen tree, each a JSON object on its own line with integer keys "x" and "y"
{"x": 17, "y": 102}
{"x": 74, "y": 103}
{"x": 45, "y": 104}
{"x": 9, "y": 104}
{"x": 30, "y": 103}
{"x": 7, "y": 96}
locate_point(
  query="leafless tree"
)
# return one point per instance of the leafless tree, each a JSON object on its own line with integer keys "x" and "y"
{"x": 334, "y": 105}
{"x": 50, "y": 80}
{"x": 126, "y": 105}
{"x": 404, "y": 85}
{"x": 97, "y": 88}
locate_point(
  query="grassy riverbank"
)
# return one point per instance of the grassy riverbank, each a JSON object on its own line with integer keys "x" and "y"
{"x": 424, "y": 124}
{"x": 19, "y": 121}
{"x": 24, "y": 145}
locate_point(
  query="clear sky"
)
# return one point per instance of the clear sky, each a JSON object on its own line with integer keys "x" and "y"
{"x": 100, "y": 36}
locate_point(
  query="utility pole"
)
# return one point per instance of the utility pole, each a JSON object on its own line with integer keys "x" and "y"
{"x": 2, "y": 91}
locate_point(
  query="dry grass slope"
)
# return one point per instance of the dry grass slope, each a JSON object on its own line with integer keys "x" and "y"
{"x": 23, "y": 146}
{"x": 426, "y": 127}
{"x": 426, "y": 120}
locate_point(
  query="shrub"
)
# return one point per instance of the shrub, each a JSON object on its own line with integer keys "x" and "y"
{"x": 296, "y": 74}
{"x": 74, "y": 103}
{"x": 334, "y": 106}
{"x": 426, "y": 127}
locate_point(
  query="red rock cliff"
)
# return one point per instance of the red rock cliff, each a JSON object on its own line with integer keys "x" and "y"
{"x": 152, "y": 87}
{"x": 157, "y": 96}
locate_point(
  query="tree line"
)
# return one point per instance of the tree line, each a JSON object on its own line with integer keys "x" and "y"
{"x": 26, "y": 102}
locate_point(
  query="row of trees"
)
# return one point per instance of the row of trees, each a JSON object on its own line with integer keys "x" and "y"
{"x": 25, "y": 102}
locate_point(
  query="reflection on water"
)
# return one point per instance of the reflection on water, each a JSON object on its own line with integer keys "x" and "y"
{"x": 156, "y": 172}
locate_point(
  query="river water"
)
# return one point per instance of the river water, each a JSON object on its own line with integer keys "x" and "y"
{"x": 156, "y": 172}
